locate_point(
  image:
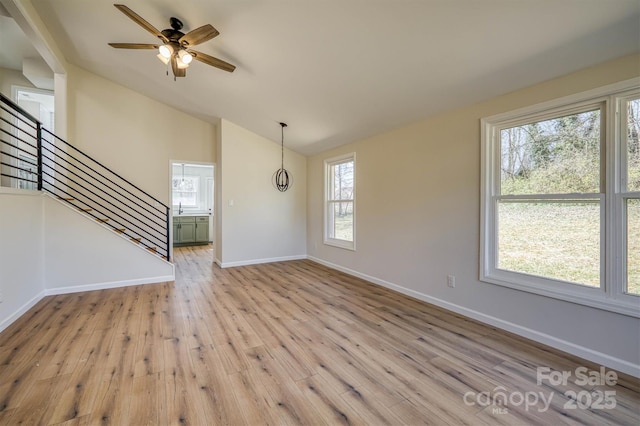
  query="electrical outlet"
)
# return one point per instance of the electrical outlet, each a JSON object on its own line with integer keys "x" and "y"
{"x": 451, "y": 281}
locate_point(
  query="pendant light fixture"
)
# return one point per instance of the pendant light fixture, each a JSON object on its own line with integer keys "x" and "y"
{"x": 282, "y": 179}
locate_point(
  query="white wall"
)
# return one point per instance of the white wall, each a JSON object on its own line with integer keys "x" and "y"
{"x": 263, "y": 224}
{"x": 418, "y": 210}
{"x": 48, "y": 248}
{"x": 82, "y": 255}
{"x": 21, "y": 252}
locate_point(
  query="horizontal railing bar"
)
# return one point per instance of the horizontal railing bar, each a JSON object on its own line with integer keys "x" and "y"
{"x": 115, "y": 225}
{"x": 109, "y": 180}
{"x": 12, "y": 166}
{"x": 112, "y": 172}
{"x": 14, "y": 126}
{"x": 18, "y": 178}
{"x": 18, "y": 158}
{"x": 18, "y": 108}
{"x": 95, "y": 186}
{"x": 93, "y": 215}
{"x": 93, "y": 191}
{"x": 156, "y": 214}
{"x": 17, "y": 125}
{"x": 132, "y": 225}
{"x": 16, "y": 137}
{"x": 79, "y": 184}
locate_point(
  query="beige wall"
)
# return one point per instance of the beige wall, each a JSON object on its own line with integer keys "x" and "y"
{"x": 134, "y": 135}
{"x": 263, "y": 223}
{"x": 418, "y": 215}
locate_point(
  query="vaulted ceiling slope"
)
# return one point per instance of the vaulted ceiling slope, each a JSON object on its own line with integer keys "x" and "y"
{"x": 340, "y": 70}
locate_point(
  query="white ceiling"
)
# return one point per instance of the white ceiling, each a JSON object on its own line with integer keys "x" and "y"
{"x": 340, "y": 70}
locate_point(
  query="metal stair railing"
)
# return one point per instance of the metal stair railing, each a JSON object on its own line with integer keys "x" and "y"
{"x": 32, "y": 157}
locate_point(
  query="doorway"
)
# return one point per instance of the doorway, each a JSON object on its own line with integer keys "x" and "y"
{"x": 192, "y": 199}
{"x": 39, "y": 104}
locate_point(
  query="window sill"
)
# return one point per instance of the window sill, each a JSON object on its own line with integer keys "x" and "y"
{"x": 347, "y": 245}
{"x": 574, "y": 293}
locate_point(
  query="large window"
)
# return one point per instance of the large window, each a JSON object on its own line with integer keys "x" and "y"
{"x": 561, "y": 199}
{"x": 340, "y": 201}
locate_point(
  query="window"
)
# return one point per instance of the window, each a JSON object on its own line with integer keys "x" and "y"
{"x": 630, "y": 190}
{"x": 185, "y": 191}
{"x": 340, "y": 207}
{"x": 27, "y": 172}
{"x": 561, "y": 199}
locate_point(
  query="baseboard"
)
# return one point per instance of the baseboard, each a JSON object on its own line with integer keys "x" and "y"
{"x": 21, "y": 311}
{"x": 258, "y": 261}
{"x": 104, "y": 286}
{"x": 577, "y": 350}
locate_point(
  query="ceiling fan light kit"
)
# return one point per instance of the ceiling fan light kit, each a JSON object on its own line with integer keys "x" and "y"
{"x": 185, "y": 57}
{"x": 166, "y": 51}
{"x": 176, "y": 45}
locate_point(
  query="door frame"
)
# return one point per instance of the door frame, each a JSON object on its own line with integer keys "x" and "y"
{"x": 170, "y": 198}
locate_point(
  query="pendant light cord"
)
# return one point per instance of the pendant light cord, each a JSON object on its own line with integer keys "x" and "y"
{"x": 283, "y": 125}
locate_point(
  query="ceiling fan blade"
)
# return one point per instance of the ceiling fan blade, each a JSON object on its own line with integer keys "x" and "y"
{"x": 214, "y": 62}
{"x": 177, "y": 72}
{"x": 199, "y": 35}
{"x": 133, "y": 46}
{"x": 140, "y": 21}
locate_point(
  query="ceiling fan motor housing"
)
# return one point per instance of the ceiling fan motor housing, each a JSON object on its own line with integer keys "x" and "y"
{"x": 176, "y": 24}
{"x": 172, "y": 35}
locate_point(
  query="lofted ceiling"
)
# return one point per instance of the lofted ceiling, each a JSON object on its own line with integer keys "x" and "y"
{"x": 340, "y": 70}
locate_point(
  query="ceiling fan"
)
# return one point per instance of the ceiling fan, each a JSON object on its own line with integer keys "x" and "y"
{"x": 176, "y": 45}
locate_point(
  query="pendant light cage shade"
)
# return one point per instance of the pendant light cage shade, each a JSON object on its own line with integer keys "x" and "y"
{"x": 282, "y": 179}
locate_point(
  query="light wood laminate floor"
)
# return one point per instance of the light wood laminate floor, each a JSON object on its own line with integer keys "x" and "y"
{"x": 285, "y": 343}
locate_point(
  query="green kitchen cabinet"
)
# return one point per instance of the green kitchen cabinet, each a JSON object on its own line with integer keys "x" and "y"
{"x": 202, "y": 229}
{"x": 190, "y": 230}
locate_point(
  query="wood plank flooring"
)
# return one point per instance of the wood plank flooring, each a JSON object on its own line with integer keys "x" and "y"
{"x": 290, "y": 343}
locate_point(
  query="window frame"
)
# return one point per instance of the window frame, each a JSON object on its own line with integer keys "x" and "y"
{"x": 611, "y": 294}
{"x": 329, "y": 201}
{"x": 622, "y": 192}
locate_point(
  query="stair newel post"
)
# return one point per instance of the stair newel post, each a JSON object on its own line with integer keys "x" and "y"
{"x": 39, "y": 149}
{"x": 168, "y": 239}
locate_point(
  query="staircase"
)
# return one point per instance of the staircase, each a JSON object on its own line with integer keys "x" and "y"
{"x": 33, "y": 158}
